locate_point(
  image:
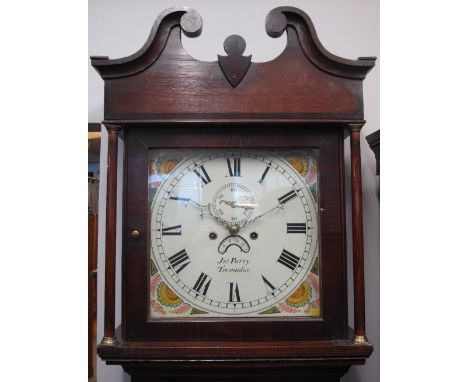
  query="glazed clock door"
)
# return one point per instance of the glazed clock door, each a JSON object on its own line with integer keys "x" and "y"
{"x": 240, "y": 234}
{"x": 233, "y": 233}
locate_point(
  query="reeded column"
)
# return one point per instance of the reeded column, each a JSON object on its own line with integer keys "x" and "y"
{"x": 358, "y": 237}
{"x": 111, "y": 218}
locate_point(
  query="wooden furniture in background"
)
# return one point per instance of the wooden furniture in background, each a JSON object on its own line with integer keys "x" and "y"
{"x": 374, "y": 143}
{"x": 94, "y": 144}
{"x": 92, "y": 289}
{"x": 162, "y": 97}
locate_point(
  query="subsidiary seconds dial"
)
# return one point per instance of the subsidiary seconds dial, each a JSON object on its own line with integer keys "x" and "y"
{"x": 233, "y": 231}
{"x": 233, "y": 203}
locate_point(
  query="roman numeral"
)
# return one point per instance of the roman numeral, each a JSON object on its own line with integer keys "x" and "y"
{"x": 175, "y": 230}
{"x": 287, "y": 197}
{"x": 264, "y": 173}
{"x": 296, "y": 228}
{"x": 234, "y": 293}
{"x": 234, "y": 170}
{"x": 203, "y": 281}
{"x": 179, "y": 199}
{"x": 180, "y": 260}
{"x": 204, "y": 177}
{"x": 288, "y": 259}
{"x": 268, "y": 284}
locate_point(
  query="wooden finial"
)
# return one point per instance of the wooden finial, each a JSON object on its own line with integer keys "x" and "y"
{"x": 234, "y": 65}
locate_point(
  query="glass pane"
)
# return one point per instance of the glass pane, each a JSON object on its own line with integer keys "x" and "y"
{"x": 234, "y": 233}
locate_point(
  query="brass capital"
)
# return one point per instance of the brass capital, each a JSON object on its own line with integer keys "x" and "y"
{"x": 109, "y": 341}
{"x": 113, "y": 129}
{"x": 360, "y": 340}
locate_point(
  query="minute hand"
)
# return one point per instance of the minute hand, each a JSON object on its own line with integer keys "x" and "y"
{"x": 281, "y": 202}
{"x": 279, "y": 206}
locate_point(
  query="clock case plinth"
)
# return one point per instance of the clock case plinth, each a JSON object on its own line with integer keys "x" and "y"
{"x": 162, "y": 97}
{"x": 322, "y": 361}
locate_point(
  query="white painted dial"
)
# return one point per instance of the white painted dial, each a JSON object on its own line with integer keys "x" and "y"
{"x": 233, "y": 231}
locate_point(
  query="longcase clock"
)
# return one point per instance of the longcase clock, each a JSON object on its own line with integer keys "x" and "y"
{"x": 234, "y": 253}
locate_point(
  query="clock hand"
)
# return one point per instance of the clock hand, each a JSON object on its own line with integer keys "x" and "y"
{"x": 187, "y": 200}
{"x": 228, "y": 203}
{"x": 279, "y": 206}
{"x": 204, "y": 209}
{"x": 201, "y": 206}
{"x": 207, "y": 208}
{"x": 281, "y": 202}
{"x": 198, "y": 204}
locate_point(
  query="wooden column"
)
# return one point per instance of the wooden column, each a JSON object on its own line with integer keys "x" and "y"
{"x": 358, "y": 237}
{"x": 111, "y": 217}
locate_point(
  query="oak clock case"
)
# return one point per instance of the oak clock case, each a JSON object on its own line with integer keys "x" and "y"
{"x": 234, "y": 224}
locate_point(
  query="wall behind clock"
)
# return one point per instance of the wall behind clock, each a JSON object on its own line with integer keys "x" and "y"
{"x": 118, "y": 28}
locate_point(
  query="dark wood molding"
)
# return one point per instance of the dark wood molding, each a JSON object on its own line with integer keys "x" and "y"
{"x": 191, "y": 24}
{"x": 151, "y": 84}
{"x": 321, "y": 361}
{"x": 280, "y": 18}
{"x": 187, "y": 19}
{"x": 315, "y": 352}
{"x": 266, "y": 120}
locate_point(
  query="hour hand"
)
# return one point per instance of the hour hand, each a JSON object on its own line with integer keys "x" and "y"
{"x": 203, "y": 207}
{"x": 180, "y": 199}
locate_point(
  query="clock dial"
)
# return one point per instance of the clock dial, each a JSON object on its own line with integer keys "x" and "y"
{"x": 233, "y": 232}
